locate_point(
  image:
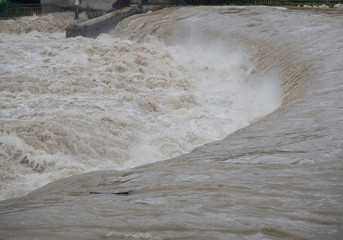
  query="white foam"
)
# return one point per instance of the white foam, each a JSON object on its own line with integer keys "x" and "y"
{"x": 78, "y": 105}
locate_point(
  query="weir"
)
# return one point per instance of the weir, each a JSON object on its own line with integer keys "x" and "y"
{"x": 105, "y": 23}
{"x": 279, "y": 177}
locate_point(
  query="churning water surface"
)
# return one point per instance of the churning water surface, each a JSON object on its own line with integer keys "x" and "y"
{"x": 76, "y": 105}
{"x": 160, "y": 85}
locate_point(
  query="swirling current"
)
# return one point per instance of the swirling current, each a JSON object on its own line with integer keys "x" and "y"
{"x": 245, "y": 102}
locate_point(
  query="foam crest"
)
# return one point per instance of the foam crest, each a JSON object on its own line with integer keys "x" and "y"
{"x": 77, "y": 105}
{"x": 49, "y": 23}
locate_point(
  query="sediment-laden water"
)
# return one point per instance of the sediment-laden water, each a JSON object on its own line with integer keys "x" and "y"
{"x": 160, "y": 85}
{"x": 76, "y": 105}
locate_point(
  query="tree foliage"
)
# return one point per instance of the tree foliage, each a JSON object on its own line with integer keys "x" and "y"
{"x": 8, "y": 9}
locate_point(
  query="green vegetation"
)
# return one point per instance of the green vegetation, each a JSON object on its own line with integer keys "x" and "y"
{"x": 8, "y": 9}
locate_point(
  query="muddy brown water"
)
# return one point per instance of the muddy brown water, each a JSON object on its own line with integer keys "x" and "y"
{"x": 278, "y": 178}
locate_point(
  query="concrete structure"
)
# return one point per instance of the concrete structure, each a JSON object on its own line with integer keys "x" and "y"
{"x": 106, "y": 22}
{"x": 53, "y": 5}
{"x": 97, "y": 5}
{"x": 102, "y": 24}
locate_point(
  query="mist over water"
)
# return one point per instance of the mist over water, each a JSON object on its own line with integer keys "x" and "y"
{"x": 70, "y": 106}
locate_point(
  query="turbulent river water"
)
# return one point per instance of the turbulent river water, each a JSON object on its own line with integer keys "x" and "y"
{"x": 77, "y": 105}
{"x": 157, "y": 87}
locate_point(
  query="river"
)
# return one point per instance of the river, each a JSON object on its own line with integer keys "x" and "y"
{"x": 261, "y": 87}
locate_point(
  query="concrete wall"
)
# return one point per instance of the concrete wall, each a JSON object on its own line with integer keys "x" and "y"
{"x": 103, "y": 5}
{"x": 105, "y": 23}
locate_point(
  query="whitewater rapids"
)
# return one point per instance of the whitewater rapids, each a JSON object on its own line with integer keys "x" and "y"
{"x": 278, "y": 178}
{"x": 70, "y": 106}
